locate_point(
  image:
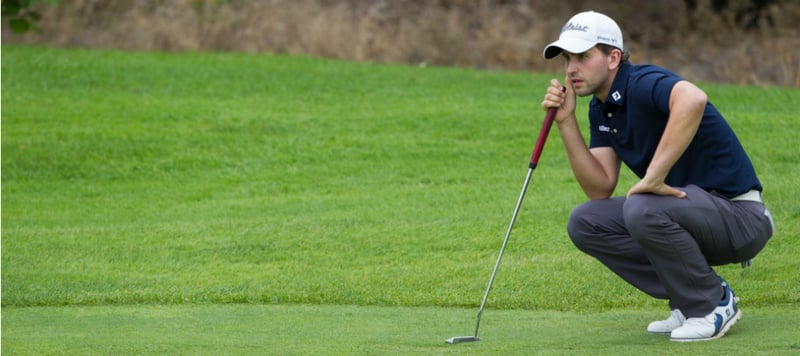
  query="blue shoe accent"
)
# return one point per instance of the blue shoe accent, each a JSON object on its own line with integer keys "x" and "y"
{"x": 729, "y": 307}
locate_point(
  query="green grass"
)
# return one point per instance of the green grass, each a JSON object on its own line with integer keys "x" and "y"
{"x": 195, "y": 187}
{"x": 246, "y": 329}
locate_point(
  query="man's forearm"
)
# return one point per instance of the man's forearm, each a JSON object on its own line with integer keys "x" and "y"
{"x": 595, "y": 181}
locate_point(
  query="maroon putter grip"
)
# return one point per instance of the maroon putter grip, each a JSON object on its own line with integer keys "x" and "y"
{"x": 546, "y": 125}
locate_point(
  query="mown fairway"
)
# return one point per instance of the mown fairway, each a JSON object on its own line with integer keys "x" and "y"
{"x": 158, "y": 203}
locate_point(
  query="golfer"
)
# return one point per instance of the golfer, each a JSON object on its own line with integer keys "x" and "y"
{"x": 698, "y": 202}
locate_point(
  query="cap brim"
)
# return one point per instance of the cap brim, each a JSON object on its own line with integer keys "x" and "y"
{"x": 571, "y": 45}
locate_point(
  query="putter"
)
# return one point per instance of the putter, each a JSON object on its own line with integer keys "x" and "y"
{"x": 537, "y": 152}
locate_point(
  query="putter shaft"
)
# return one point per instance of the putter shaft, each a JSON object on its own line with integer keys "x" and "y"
{"x": 537, "y": 151}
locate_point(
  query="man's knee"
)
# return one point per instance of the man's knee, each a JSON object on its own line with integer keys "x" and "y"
{"x": 576, "y": 227}
{"x": 582, "y": 227}
{"x": 591, "y": 223}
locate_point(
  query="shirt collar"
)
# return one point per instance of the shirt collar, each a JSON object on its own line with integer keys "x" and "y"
{"x": 616, "y": 95}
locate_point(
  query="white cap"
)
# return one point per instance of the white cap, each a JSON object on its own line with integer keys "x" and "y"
{"x": 583, "y": 31}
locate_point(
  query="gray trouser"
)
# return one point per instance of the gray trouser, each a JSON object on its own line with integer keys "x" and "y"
{"x": 665, "y": 246}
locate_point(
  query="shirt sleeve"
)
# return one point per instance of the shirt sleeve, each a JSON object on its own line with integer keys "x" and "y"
{"x": 655, "y": 88}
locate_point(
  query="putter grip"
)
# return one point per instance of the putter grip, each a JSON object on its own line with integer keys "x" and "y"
{"x": 546, "y": 125}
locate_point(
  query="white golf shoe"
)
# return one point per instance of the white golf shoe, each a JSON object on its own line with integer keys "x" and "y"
{"x": 711, "y": 326}
{"x": 675, "y": 320}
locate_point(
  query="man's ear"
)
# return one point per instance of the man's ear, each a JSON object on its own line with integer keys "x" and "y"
{"x": 614, "y": 59}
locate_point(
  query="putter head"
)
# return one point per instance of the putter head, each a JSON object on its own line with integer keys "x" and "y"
{"x": 460, "y": 339}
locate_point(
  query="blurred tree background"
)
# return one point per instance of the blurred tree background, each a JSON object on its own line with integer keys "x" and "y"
{"x": 754, "y": 42}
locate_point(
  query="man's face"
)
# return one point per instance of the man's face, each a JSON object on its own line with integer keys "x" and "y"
{"x": 589, "y": 72}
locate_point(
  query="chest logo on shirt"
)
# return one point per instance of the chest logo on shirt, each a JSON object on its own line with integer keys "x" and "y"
{"x": 603, "y": 128}
{"x": 616, "y": 95}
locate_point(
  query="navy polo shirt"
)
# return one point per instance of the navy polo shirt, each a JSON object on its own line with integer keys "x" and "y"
{"x": 632, "y": 120}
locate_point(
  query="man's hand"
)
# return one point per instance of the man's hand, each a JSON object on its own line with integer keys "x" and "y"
{"x": 561, "y": 97}
{"x": 654, "y": 186}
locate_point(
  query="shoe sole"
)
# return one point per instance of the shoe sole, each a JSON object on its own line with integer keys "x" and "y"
{"x": 721, "y": 333}
{"x": 659, "y": 332}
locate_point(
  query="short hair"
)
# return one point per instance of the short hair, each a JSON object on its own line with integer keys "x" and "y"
{"x": 606, "y": 49}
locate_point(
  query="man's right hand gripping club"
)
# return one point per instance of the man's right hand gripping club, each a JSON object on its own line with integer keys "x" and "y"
{"x": 561, "y": 97}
